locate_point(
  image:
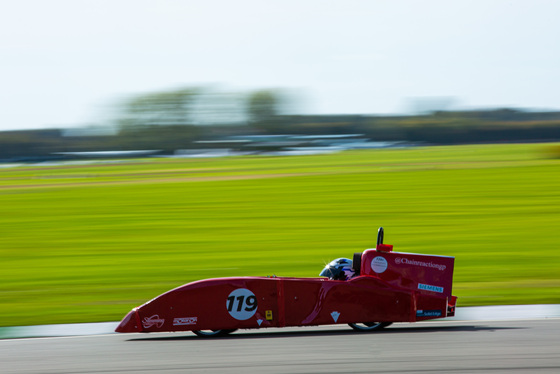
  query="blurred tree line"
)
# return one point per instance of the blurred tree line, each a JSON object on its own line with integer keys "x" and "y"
{"x": 194, "y": 118}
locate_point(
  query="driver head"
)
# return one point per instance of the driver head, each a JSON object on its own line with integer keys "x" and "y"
{"x": 339, "y": 269}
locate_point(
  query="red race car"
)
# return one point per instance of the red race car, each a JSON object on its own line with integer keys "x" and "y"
{"x": 376, "y": 288}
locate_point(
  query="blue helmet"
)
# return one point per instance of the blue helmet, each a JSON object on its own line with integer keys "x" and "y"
{"x": 339, "y": 269}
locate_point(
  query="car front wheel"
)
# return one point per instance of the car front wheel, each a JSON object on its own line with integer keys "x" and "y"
{"x": 211, "y": 333}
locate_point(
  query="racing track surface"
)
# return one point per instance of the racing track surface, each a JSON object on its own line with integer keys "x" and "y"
{"x": 518, "y": 346}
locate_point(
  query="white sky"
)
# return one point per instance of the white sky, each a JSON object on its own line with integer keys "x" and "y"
{"x": 64, "y": 63}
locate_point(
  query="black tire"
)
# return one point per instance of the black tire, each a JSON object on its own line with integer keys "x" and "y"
{"x": 212, "y": 333}
{"x": 369, "y": 326}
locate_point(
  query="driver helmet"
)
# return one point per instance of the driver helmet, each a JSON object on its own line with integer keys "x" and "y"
{"x": 339, "y": 269}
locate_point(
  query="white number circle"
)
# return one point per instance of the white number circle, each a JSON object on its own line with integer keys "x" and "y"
{"x": 379, "y": 264}
{"x": 241, "y": 304}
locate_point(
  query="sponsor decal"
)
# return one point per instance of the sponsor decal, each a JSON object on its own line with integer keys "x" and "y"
{"x": 335, "y": 316}
{"x": 428, "y": 313}
{"x": 428, "y": 287}
{"x": 379, "y": 264}
{"x": 153, "y": 321}
{"x": 268, "y": 314}
{"x": 241, "y": 304}
{"x": 259, "y": 321}
{"x": 406, "y": 261}
{"x": 183, "y": 321}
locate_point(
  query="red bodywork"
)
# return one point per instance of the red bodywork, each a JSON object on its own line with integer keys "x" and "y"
{"x": 391, "y": 287}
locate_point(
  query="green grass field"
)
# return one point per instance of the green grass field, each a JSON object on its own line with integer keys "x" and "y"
{"x": 85, "y": 243}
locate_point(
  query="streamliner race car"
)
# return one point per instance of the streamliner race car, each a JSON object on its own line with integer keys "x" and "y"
{"x": 369, "y": 292}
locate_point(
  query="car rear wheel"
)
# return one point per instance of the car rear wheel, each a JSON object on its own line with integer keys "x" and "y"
{"x": 211, "y": 333}
{"x": 369, "y": 326}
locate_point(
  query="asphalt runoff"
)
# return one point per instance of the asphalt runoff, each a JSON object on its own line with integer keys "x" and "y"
{"x": 481, "y": 313}
{"x": 497, "y": 347}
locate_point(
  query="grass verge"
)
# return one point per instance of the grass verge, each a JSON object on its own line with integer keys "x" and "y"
{"x": 86, "y": 243}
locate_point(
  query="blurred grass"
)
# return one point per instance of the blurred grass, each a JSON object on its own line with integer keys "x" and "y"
{"x": 85, "y": 243}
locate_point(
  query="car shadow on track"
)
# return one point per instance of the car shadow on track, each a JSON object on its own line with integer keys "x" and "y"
{"x": 272, "y": 333}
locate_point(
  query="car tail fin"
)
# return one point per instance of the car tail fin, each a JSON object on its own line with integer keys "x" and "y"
{"x": 427, "y": 274}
